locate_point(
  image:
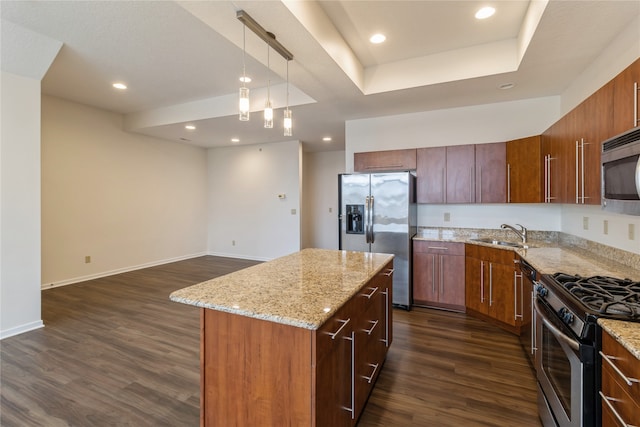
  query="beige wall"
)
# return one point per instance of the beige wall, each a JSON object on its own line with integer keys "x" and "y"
{"x": 125, "y": 200}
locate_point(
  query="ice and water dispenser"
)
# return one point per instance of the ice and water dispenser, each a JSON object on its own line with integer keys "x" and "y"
{"x": 355, "y": 219}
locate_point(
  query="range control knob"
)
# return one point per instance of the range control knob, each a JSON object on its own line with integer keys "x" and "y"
{"x": 542, "y": 291}
{"x": 568, "y": 318}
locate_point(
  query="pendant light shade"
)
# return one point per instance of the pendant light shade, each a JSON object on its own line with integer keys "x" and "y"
{"x": 243, "y": 103}
{"x": 288, "y": 123}
{"x": 268, "y": 109}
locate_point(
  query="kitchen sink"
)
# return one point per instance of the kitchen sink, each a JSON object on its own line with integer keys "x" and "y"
{"x": 500, "y": 242}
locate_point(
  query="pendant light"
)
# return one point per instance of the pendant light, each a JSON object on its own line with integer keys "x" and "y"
{"x": 268, "y": 109}
{"x": 243, "y": 104}
{"x": 288, "y": 131}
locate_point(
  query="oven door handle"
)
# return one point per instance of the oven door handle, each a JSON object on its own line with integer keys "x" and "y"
{"x": 554, "y": 330}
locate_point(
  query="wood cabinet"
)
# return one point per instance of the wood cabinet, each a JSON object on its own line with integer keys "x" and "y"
{"x": 385, "y": 161}
{"x": 620, "y": 391}
{"x": 438, "y": 274}
{"x": 492, "y": 290}
{"x": 276, "y": 374}
{"x": 524, "y": 170}
{"x": 490, "y": 167}
{"x": 625, "y": 103}
{"x": 446, "y": 174}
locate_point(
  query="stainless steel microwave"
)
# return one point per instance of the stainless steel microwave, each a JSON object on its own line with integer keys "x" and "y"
{"x": 621, "y": 173}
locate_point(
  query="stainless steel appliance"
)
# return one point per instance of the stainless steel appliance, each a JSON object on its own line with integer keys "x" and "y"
{"x": 378, "y": 214}
{"x": 568, "y": 340}
{"x": 621, "y": 173}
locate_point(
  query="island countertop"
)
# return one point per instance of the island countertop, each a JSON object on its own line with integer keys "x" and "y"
{"x": 303, "y": 289}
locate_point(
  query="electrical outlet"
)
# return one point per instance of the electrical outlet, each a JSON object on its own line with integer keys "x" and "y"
{"x": 447, "y": 217}
{"x": 233, "y": 243}
{"x": 87, "y": 259}
{"x": 330, "y": 210}
{"x": 632, "y": 231}
{"x": 585, "y": 222}
{"x": 293, "y": 211}
{"x": 605, "y": 227}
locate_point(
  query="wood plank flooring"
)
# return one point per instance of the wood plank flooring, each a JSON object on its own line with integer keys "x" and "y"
{"x": 116, "y": 352}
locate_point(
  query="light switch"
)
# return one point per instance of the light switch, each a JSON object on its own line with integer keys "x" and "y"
{"x": 293, "y": 211}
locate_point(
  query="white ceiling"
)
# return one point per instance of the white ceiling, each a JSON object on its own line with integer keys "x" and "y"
{"x": 181, "y": 60}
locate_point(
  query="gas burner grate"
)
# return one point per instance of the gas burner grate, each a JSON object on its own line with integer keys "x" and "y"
{"x": 605, "y": 295}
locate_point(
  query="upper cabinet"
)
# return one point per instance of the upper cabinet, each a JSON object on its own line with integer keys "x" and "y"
{"x": 491, "y": 185}
{"x": 385, "y": 161}
{"x": 524, "y": 170}
{"x": 446, "y": 174}
{"x": 625, "y": 89}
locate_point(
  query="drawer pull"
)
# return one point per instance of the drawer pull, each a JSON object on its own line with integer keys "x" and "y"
{"x": 373, "y": 326}
{"x": 373, "y": 291}
{"x": 344, "y": 323}
{"x": 438, "y": 247}
{"x": 388, "y": 273}
{"x": 373, "y": 374}
{"x": 609, "y": 360}
{"x": 607, "y": 399}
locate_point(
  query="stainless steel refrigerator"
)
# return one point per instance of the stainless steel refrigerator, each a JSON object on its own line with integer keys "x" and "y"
{"x": 378, "y": 214}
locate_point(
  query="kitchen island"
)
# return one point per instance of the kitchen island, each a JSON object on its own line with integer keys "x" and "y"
{"x": 299, "y": 340}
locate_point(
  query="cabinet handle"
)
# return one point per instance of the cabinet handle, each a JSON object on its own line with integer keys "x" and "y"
{"x": 386, "y": 317}
{"x": 388, "y": 273}
{"x": 344, "y": 323}
{"x": 490, "y": 284}
{"x": 433, "y": 274}
{"x": 385, "y": 167}
{"x": 546, "y": 178}
{"x": 442, "y": 248}
{"x": 583, "y": 173}
{"x": 352, "y": 338}
{"x": 444, "y": 187}
{"x": 472, "y": 182}
{"x": 606, "y": 399}
{"x": 636, "y": 89}
{"x": 373, "y": 292}
{"x": 441, "y": 278}
{"x": 370, "y": 330}
{"x": 375, "y": 368}
{"x": 508, "y": 183}
{"x": 482, "y": 282}
{"x": 480, "y": 183}
{"x": 515, "y": 296}
{"x": 577, "y": 172}
{"x": 609, "y": 360}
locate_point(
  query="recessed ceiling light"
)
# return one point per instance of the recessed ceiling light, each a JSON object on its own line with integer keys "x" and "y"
{"x": 377, "y": 38}
{"x": 120, "y": 86}
{"x": 326, "y": 139}
{"x": 235, "y": 140}
{"x": 485, "y": 12}
{"x": 190, "y": 127}
{"x": 506, "y": 86}
{"x": 245, "y": 79}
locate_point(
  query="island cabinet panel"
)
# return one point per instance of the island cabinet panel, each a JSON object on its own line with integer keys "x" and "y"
{"x": 524, "y": 170}
{"x": 490, "y": 168}
{"x": 439, "y": 274}
{"x": 257, "y": 372}
{"x": 385, "y": 161}
{"x": 492, "y": 289}
{"x": 620, "y": 401}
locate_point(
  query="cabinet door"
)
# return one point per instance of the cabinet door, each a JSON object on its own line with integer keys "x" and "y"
{"x": 452, "y": 281}
{"x": 424, "y": 278}
{"x": 624, "y": 109}
{"x": 490, "y": 168}
{"x": 475, "y": 292}
{"x": 391, "y": 160}
{"x": 598, "y": 118}
{"x": 552, "y": 166}
{"x": 334, "y": 377}
{"x": 460, "y": 174}
{"x": 502, "y": 298}
{"x": 524, "y": 170}
{"x": 430, "y": 172}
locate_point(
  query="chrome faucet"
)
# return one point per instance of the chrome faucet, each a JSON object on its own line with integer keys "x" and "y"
{"x": 522, "y": 234}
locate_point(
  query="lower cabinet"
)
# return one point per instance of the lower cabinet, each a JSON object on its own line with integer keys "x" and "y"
{"x": 493, "y": 289}
{"x": 620, "y": 391}
{"x": 257, "y": 372}
{"x": 439, "y": 274}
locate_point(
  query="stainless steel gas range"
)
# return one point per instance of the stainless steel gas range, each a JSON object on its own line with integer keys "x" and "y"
{"x": 568, "y": 340}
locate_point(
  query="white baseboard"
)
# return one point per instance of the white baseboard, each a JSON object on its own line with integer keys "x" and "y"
{"x": 6, "y": 333}
{"x": 238, "y": 256}
{"x": 71, "y": 281}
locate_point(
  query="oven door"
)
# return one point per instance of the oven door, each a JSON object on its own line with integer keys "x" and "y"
{"x": 559, "y": 371}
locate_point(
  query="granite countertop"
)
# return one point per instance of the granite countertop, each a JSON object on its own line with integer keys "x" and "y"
{"x": 626, "y": 333}
{"x": 303, "y": 289}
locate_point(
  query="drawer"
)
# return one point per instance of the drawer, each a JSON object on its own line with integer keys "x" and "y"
{"x": 438, "y": 247}
{"x": 626, "y": 363}
{"x": 624, "y": 405}
{"x": 495, "y": 255}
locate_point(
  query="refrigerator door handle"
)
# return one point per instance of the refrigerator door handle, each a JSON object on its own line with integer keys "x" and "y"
{"x": 367, "y": 212}
{"x": 371, "y": 233}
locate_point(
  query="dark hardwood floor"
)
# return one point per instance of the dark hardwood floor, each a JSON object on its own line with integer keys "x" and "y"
{"x": 116, "y": 352}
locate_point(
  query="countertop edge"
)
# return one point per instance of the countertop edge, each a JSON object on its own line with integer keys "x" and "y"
{"x": 625, "y": 333}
